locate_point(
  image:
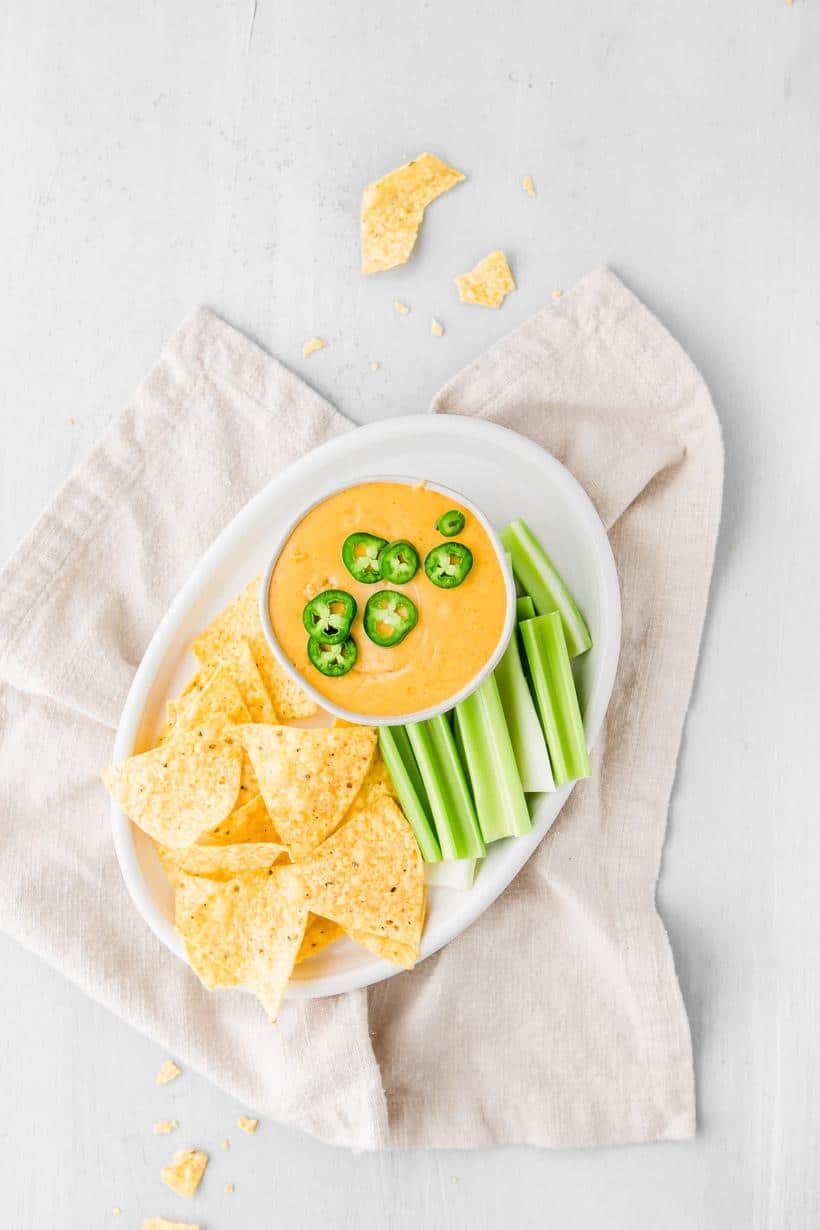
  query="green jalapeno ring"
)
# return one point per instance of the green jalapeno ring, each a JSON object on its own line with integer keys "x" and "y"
{"x": 332, "y": 660}
{"x": 399, "y": 562}
{"x": 361, "y": 553}
{"x": 448, "y": 564}
{"x": 388, "y": 617}
{"x": 451, "y": 523}
{"x": 329, "y": 616}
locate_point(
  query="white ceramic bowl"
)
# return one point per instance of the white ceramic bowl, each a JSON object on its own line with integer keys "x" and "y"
{"x": 390, "y": 719}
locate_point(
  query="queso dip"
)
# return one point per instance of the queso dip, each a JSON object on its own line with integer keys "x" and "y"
{"x": 456, "y": 631}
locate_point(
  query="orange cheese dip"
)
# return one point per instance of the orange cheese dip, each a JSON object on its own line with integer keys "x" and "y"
{"x": 457, "y": 631}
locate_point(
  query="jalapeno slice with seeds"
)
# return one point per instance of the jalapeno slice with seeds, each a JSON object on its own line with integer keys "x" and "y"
{"x": 389, "y": 616}
{"x": 451, "y": 523}
{"x": 329, "y": 616}
{"x": 330, "y": 659}
{"x": 361, "y": 554}
{"x": 448, "y": 565}
{"x": 399, "y": 562}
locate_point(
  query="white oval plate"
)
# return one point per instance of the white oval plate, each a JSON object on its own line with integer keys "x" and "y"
{"x": 503, "y": 473}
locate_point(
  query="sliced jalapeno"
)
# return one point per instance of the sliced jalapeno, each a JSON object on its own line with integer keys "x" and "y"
{"x": 451, "y": 523}
{"x": 329, "y": 616}
{"x": 361, "y": 554}
{"x": 332, "y": 659}
{"x": 399, "y": 562}
{"x": 389, "y": 616}
{"x": 448, "y": 565}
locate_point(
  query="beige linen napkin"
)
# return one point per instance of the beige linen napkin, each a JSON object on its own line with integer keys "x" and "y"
{"x": 556, "y": 1019}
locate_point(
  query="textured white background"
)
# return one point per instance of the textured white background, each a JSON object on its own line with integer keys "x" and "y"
{"x": 158, "y": 154}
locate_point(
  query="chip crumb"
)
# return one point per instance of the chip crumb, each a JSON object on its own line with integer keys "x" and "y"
{"x": 310, "y": 347}
{"x": 400, "y": 307}
{"x": 528, "y": 185}
{"x": 436, "y": 328}
{"x": 557, "y": 294}
{"x": 226, "y": 1144}
{"x": 488, "y": 283}
{"x": 116, "y": 1211}
{"x": 163, "y": 1126}
{"x": 184, "y": 1174}
{"x": 375, "y": 365}
{"x": 162, "y": 1223}
{"x": 168, "y": 1072}
{"x": 229, "y": 1187}
{"x": 73, "y": 421}
{"x": 247, "y": 1125}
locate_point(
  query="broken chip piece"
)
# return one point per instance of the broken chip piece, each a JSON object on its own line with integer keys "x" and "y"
{"x": 393, "y": 208}
{"x": 168, "y": 1072}
{"x": 528, "y": 185}
{"x": 164, "y": 1126}
{"x": 436, "y": 328}
{"x": 400, "y": 307}
{"x": 488, "y": 283}
{"x": 247, "y": 1125}
{"x": 184, "y": 1174}
{"x": 310, "y": 347}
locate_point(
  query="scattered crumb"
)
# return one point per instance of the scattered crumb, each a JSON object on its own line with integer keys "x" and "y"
{"x": 528, "y": 185}
{"x": 247, "y": 1125}
{"x": 116, "y": 1211}
{"x": 184, "y": 1174}
{"x": 401, "y": 308}
{"x": 162, "y": 1223}
{"x": 436, "y": 328}
{"x": 164, "y": 1126}
{"x": 556, "y": 294}
{"x": 375, "y": 365}
{"x": 168, "y": 1072}
{"x": 226, "y": 1144}
{"x": 310, "y": 347}
{"x": 229, "y": 1187}
{"x": 73, "y": 422}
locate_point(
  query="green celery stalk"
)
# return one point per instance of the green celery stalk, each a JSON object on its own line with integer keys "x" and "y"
{"x": 524, "y": 608}
{"x": 397, "y": 754}
{"x": 541, "y": 580}
{"x": 450, "y": 801}
{"x": 526, "y": 735}
{"x": 551, "y": 674}
{"x": 499, "y": 798}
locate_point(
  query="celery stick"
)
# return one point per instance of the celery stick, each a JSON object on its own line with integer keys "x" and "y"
{"x": 456, "y": 873}
{"x": 524, "y": 608}
{"x": 540, "y": 579}
{"x": 450, "y": 801}
{"x": 499, "y": 798}
{"x": 526, "y": 735}
{"x": 401, "y": 765}
{"x": 551, "y": 673}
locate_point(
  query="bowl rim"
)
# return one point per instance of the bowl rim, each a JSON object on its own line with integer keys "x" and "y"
{"x": 420, "y": 715}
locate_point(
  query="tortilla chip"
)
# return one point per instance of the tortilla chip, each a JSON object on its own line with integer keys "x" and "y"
{"x": 368, "y": 877}
{"x": 389, "y": 950}
{"x": 308, "y": 778}
{"x": 177, "y": 791}
{"x": 224, "y": 862}
{"x": 393, "y": 209}
{"x": 250, "y": 822}
{"x": 184, "y": 1174}
{"x": 222, "y": 640}
{"x": 244, "y": 930}
{"x": 488, "y": 283}
{"x": 162, "y": 1223}
{"x": 219, "y": 698}
{"x": 319, "y": 933}
{"x": 247, "y": 1125}
{"x": 164, "y": 1126}
{"x": 168, "y": 1072}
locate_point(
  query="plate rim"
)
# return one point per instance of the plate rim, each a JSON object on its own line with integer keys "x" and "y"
{"x": 477, "y": 899}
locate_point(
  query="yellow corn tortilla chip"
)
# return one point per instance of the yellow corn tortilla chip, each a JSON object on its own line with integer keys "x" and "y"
{"x": 185, "y": 1172}
{"x": 251, "y": 822}
{"x": 389, "y": 950}
{"x": 240, "y": 621}
{"x": 319, "y": 933}
{"x": 368, "y": 876}
{"x": 177, "y": 791}
{"x": 224, "y": 862}
{"x": 308, "y": 778}
{"x": 168, "y": 1072}
{"x": 393, "y": 209}
{"x": 220, "y": 697}
{"x": 162, "y": 1223}
{"x": 247, "y": 930}
{"x": 488, "y": 283}
{"x": 247, "y": 1125}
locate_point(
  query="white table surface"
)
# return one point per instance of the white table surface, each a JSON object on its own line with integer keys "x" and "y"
{"x": 159, "y": 154}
